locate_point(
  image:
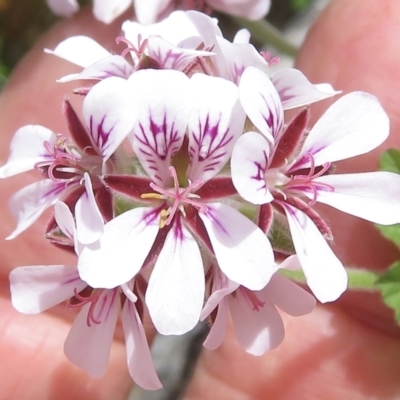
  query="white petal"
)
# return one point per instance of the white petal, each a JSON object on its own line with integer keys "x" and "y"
{"x": 108, "y": 114}
{"x": 89, "y": 221}
{"x": 243, "y": 251}
{"x": 27, "y": 149}
{"x": 64, "y": 219}
{"x": 106, "y": 11}
{"x": 147, "y": 12}
{"x": 249, "y": 164}
{"x": 261, "y": 102}
{"x": 38, "y": 288}
{"x": 121, "y": 250}
{"x": 354, "y": 125}
{"x": 295, "y": 90}
{"x": 105, "y": 68}
{"x": 80, "y": 50}
{"x": 140, "y": 363}
{"x": 251, "y": 9}
{"x": 89, "y": 347}
{"x": 289, "y": 297}
{"x": 175, "y": 293}
{"x": 373, "y": 196}
{"x": 215, "y": 123}
{"x": 63, "y": 8}
{"x": 242, "y": 36}
{"x": 162, "y": 103}
{"x": 28, "y": 204}
{"x": 324, "y": 273}
{"x": 257, "y": 331}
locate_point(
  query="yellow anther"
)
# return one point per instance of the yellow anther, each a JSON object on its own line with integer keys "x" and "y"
{"x": 151, "y": 196}
{"x": 164, "y": 214}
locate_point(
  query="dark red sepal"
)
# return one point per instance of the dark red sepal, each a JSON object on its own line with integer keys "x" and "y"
{"x": 128, "y": 185}
{"x": 217, "y": 188}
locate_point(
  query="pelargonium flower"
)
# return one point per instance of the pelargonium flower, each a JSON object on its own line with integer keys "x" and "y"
{"x": 183, "y": 133}
{"x": 35, "y": 289}
{"x": 289, "y": 169}
{"x": 258, "y": 325}
{"x": 71, "y": 168}
{"x": 148, "y": 12}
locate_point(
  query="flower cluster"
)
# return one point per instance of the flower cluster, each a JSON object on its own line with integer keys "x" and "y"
{"x": 183, "y": 191}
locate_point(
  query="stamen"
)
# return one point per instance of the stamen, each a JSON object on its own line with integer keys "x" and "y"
{"x": 252, "y": 297}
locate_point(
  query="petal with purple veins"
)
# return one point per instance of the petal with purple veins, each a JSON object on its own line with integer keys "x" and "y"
{"x": 249, "y": 165}
{"x": 215, "y": 123}
{"x": 162, "y": 102}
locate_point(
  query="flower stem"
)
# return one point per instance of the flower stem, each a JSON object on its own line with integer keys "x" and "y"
{"x": 267, "y": 34}
{"x": 359, "y": 279}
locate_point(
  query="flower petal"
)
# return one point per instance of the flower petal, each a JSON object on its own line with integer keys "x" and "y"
{"x": 261, "y": 102}
{"x": 38, "y": 288}
{"x": 257, "y": 331}
{"x": 121, "y": 250}
{"x": 324, "y": 273}
{"x": 89, "y": 221}
{"x": 249, "y": 164}
{"x": 289, "y": 297}
{"x": 354, "y": 125}
{"x": 175, "y": 293}
{"x": 147, "y": 12}
{"x": 373, "y": 196}
{"x": 80, "y": 50}
{"x": 63, "y": 8}
{"x": 106, "y": 11}
{"x": 243, "y": 251}
{"x": 108, "y": 114}
{"x": 215, "y": 123}
{"x": 28, "y": 148}
{"x": 162, "y": 103}
{"x": 295, "y": 90}
{"x": 28, "y": 204}
{"x": 216, "y": 335}
{"x": 250, "y": 9}
{"x": 88, "y": 346}
{"x": 140, "y": 363}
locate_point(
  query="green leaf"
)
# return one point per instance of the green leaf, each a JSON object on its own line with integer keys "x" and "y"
{"x": 391, "y": 232}
{"x": 389, "y": 285}
{"x": 390, "y": 161}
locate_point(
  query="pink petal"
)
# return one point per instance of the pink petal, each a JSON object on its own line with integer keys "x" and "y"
{"x": 354, "y": 125}
{"x": 120, "y": 252}
{"x": 324, "y": 273}
{"x": 63, "y": 8}
{"x": 295, "y": 90}
{"x": 80, "y": 50}
{"x": 38, "y": 288}
{"x": 250, "y": 9}
{"x": 106, "y": 11}
{"x": 28, "y": 148}
{"x": 89, "y": 347}
{"x": 175, "y": 293}
{"x": 216, "y": 335}
{"x": 160, "y": 119}
{"x": 89, "y": 221}
{"x": 108, "y": 115}
{"x": 257, "y": 331}
{"x": 289, "y": 297}
{"x": 373, "y": 196}
{"x": 243, "y": 251}
{"x": 215, "y": 123}
{"x": 249, "y": 165}
{"x": 28, "y": 204}
{"x": 140, "y": 363}
{"x": 261, "y": 102}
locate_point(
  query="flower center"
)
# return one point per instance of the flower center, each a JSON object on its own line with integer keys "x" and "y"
{"x": 176, "y": 198}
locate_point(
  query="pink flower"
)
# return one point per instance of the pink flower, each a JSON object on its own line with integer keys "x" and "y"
{"x": 182, "y": 197}
{"x": 274, "y": 167}
{"x": 35, "y": 289}
{"x": 258, "y": 325}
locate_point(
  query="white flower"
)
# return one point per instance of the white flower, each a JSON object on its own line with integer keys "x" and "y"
{"x": 274, "y": 166}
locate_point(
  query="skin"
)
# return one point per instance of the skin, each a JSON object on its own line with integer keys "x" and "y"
{"x": 349, "y": 350}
